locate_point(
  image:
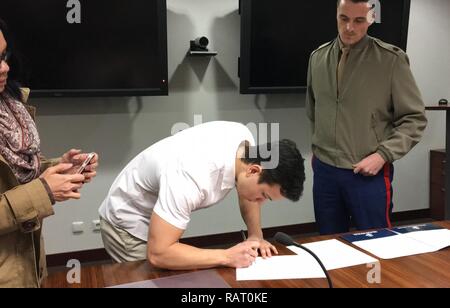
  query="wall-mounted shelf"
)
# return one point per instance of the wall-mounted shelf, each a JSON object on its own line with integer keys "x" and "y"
{"x": 202, "y": 53}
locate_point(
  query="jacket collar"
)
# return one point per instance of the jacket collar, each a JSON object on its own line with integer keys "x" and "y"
{"x": 358, "y": 46}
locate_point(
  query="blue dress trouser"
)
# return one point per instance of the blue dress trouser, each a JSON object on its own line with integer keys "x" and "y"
{"x": 342, "y": 198}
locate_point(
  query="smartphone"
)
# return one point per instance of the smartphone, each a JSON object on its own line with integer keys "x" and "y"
{"x": 86, "y": 162}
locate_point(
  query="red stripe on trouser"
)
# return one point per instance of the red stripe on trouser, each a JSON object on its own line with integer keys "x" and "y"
{"x": 387, "y": 182}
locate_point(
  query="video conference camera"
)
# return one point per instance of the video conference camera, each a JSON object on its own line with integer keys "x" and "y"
{"x": 200, "y": 44}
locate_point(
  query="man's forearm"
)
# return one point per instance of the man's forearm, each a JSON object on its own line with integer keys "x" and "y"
{"x": 184, "y": 257}
{"x": 251, "y": 214}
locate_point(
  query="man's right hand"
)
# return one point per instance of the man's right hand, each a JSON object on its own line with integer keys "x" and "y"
{"x": 63, "y": 186}
{"x": 243, "y": 254}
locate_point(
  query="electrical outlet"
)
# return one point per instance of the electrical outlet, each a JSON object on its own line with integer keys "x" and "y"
{"x": 77, "y": 227}
{"x": 96, "y": 225}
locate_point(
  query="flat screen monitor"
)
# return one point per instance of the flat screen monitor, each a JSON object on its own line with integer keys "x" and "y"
{"x": 88, "y": 47}
{"x": 278, "y": 36}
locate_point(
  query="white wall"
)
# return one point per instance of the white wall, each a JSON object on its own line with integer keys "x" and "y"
{"x": 429, "y": 52}
{"x": 119, "y": 128}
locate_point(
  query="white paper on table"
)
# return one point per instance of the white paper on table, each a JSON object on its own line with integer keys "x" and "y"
{"x": 392, "y": 247}
{"x": 401, "y": 241}
{"x": 335, "y": 254}
{"x": 281, "y": 267}
{"x": 438, "y": 239}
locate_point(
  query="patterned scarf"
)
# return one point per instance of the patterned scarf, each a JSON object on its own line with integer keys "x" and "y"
{"x": 19, "y": 139}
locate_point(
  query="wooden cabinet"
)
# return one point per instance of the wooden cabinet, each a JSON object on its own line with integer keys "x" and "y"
{"x": 437, "y": 184}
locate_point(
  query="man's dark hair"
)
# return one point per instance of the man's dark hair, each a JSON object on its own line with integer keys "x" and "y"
{"x": 354, "y": 1}
{"x": 290, "y": 171}
{"x": 12, "y": 87}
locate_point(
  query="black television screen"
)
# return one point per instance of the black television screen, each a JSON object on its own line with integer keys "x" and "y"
{"x": 89, "y": 47}
{"x": 278, "y": 36}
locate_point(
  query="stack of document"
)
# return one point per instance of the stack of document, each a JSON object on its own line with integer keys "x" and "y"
{"x": 402, "y": 241}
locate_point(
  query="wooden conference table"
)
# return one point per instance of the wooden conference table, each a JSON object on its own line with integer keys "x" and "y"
{"x": 426, "y": 270}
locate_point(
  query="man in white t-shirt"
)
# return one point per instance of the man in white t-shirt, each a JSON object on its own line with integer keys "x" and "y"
{"x": 150, "y": 203}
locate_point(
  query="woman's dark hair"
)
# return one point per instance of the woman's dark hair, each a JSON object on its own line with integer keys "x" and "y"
{"x": 289, "y": 173}
{"x": 12, "y": 87}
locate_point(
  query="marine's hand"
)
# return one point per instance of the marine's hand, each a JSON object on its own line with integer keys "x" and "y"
{"x": 370, "y": 165}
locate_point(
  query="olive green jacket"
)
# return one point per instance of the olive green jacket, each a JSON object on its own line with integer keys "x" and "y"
{"x": 379, "y": 108}
{"x": 22, "y": 208}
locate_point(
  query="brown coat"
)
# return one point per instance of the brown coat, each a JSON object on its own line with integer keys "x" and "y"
{"x": 22, "y": 209}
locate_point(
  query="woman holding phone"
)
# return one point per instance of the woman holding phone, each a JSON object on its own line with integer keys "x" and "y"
{"x": 29, "y": 184}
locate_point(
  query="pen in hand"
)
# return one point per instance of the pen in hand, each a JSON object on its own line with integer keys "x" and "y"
{"x": 243, "y": 235}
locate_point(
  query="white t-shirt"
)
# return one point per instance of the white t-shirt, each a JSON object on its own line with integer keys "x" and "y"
{"x": 188, "y": 171}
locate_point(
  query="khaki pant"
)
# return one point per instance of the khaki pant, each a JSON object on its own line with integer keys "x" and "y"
{"x": 121, "y": 245}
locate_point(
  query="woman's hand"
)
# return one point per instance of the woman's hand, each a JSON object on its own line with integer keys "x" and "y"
{"x": 76, "y": 158}
{"x": 63, "y": 185}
